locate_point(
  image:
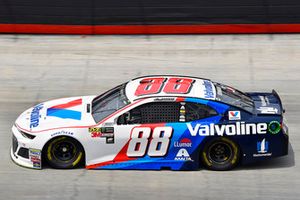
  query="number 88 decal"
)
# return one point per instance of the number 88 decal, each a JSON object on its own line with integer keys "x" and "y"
{"x": 171, "y": 86}
{"x": 140, "y": 138}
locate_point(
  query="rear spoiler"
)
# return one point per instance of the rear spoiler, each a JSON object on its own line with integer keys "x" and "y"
{"x": 280, "y": 103}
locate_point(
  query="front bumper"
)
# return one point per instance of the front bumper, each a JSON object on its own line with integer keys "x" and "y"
{"x": 22, "y": 153}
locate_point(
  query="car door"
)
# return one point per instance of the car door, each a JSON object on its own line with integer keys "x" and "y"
{"x": 146, "y": 131}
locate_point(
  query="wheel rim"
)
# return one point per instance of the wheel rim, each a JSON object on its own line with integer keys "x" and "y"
{"x": 220, "y": 152}
{"x": 64, "y": 151}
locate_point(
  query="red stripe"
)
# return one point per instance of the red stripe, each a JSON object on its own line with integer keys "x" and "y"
{"x": 150, "y": 29}
{"x": 99, "y": 165}
{"x": 180, "y": 99}
{"x": 70, "y": 104}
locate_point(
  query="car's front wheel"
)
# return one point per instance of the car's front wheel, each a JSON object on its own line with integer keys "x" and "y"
{"x": 64, "y": 153}
{"x": 220, "y": 154}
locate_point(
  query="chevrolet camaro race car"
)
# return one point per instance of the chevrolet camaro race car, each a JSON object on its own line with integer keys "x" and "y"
{"x": 153, "y": 122}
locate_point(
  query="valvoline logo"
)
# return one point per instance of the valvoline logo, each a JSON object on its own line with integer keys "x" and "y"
{"x": 184, "y": 142}
{"x": 234, "y": 115}
{"x": 208, "y": 89}
{"x": 35, "y": 116}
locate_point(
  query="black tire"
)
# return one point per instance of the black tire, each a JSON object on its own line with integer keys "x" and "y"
{"x": 220, "y": 154}
{"x": 64, "y": 153}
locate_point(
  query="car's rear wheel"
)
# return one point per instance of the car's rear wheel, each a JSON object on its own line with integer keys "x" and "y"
{"x": 64, "y": 153}
{"x": 220, "y": 154}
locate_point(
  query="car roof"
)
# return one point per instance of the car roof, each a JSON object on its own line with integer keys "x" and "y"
{"x": 194, "y": 87}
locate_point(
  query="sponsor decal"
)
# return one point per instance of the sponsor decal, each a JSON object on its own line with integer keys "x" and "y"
{"x": 183, "y": 155}
{"x": 234, "y": 115}
{"x": 274, "y": 127}
{"x": 268, "y": 110}
{"x": 61, "y": 110}
{"x": 182, "y": 112}
{"x": 106, "y": 132}
{"x": 35, "y": 116}
{"x": 35, "y": 152}
{"x": 110, "y": 140}
{"x": 165, "y": 99}
{"x": 208, "y": 91}
{"x": 95, "y": 132}
{"x": 238, "y": 128}
{"x": 262, "y": 149}
{"x": 37, "y": 165}
{"x": 35, "y": 158}
{"x": 184, "y": 142}
{"x": 62, "y": 133}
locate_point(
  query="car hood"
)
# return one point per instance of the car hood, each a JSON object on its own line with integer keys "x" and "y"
{"x": 59, "y": 113}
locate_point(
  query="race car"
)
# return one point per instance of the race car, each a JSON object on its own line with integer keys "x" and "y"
{"x": 152, "y": 123}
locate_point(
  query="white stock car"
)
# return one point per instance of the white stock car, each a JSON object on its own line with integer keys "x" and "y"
{"x": 153, "y": 122}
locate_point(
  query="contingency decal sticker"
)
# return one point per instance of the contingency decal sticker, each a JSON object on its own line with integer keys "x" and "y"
{"x": 35, "y": 158}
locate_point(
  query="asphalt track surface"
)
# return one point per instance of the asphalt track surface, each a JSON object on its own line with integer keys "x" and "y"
{"x": 39, "y": 68}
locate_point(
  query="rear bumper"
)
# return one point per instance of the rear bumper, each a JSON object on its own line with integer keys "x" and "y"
{"x": 277, "y": 147}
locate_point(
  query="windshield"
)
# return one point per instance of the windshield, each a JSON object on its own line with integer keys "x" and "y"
{"x": 109, "y": 102}
{"x": 234, "y": 97}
